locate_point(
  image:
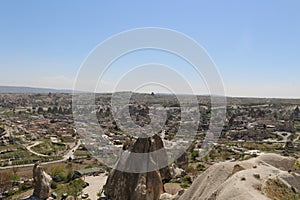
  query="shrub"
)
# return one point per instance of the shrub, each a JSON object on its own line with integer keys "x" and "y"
{"x": 201, "y": 167}
{"x": 184, "y": 185}
{"x": 75, "y": 187}
{"x": 190, "y": 169}
{"x": 257, "y": 176}
{"x": 53, "y": 185}
{"x": 187, "y": 179}
{"x": 58, "y": 173}
{"x": 194, "y": 155}
{"x": 297, "y": 164}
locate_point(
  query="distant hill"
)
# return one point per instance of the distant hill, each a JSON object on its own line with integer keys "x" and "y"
{"x": 17, "y": 89}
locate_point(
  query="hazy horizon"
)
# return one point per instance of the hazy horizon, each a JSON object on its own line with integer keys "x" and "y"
{"x": 70, "y": 90}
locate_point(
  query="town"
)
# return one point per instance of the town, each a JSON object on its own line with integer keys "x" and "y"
{"x": 39, "y": 128}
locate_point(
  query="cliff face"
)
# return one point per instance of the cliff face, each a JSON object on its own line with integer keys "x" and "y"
{"x": 143, "y": 186}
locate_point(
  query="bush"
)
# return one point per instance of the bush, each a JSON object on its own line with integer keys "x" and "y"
{"x": 58, "y": 173}
{"x": 201, "y": 167}
{"x": 257, "y": 176}
{"x": 14, "y": 177}
{"x": 187, "y": 179}
{"x": 25, "y": 186}
{"x": 75, "y": 187}
{"x": 297, "y": 164}
{"x": 53, "y": 185}
{"x": 190, "y": 169}
{"x": 194, "y": 155}
{"x": 70, "y": 176}
{"x": 184, "y": 185}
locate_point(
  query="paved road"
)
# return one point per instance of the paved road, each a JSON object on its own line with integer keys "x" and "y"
{"x": 96, "y": 184}
{"x": 65, "y": 158}
{"x": 284, "y": 135}
{"x": 298, "y": 133}
{"x": 33, "y": 145}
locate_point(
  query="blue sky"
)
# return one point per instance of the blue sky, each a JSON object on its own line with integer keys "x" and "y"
{"x": 255, "y": 44}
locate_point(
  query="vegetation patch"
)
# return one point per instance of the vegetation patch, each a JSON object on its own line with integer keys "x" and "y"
{"x": 50, "y": 149}
{"x": 73, "y": 188}
{"x": 277, "y": 190}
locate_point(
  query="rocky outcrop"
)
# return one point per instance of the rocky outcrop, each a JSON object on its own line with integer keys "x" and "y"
{"x": 122, "y": 185}
{"x": 183, "y": 161}
{"x": 167, "y": 196}
{"x": 176, "y": 172}
{"x": 172, "y": 188}
{"x": 248, "y": 180}
{"x": 42, "y": 183}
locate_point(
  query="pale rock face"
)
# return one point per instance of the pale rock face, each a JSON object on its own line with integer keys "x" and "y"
{"x": 176, "y": 172}
{"x": 166, "y": 196}
{"x": 42, "y": 182}
{"x": 245, "y": 179}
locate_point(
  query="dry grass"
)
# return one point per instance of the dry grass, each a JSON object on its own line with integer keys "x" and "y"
{"x": 276, "y": 190}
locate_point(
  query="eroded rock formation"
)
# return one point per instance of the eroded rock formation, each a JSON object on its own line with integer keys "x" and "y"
{"x": 183, "y": 161}
{"x": 269, "y": 176}
{"x": 42, "y": 183}
{"x": 122, "y": 185}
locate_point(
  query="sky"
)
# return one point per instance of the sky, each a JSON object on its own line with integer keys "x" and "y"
{"x": 255, "y": 44}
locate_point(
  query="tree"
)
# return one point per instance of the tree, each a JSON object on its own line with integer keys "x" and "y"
{"x": 297, "y": 111}
{"x": 60, "y": 110}
{"x": 75, "y": 187}
{"x": 15, "y": 170}
{"x": 14, "y": 178}
{"x": 5, "y": 181}
{"x": 55, "y": 109}
{"x": 58, "y": 173}
{"x": 49, "y": 110}
{"x": 275, "y": 115}
{"x": 70, "y": 172}
{"x": 40, "y": 110}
